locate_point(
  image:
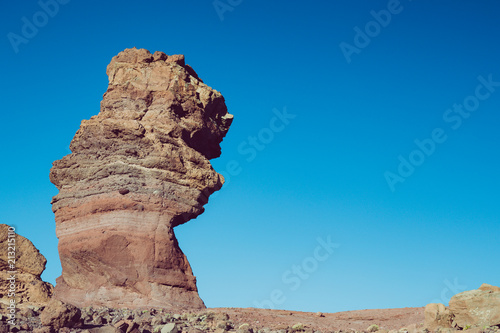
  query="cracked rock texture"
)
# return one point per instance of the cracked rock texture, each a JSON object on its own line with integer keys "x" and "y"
{"x": 137, "y": 169}
{"x": 477, "y": 308}
{"x": 28, "y": 267}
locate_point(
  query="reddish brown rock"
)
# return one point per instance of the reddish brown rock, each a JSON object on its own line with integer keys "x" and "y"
{"x": 57, "y": 315}
{"x": 28, "y": 266}
{"x": 137, "y": 169}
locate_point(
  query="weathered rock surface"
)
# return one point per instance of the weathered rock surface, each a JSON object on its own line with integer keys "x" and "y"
{"x": 437, "y": 316}
{"x": 29, "y": 266}
{"x": 58, "y": 315}
{"x": 474, "y": 309}
{"x": 231, "y": 320}
{"x": 137, "y": 169}
{"x": 477, "y": 308}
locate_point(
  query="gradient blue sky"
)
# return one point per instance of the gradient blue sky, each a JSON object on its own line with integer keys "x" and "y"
{"x": 323, "y": 174}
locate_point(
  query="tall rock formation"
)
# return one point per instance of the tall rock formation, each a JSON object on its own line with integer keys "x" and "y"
{"x": 29, "y": 264}
{"x": 137, "y": 169}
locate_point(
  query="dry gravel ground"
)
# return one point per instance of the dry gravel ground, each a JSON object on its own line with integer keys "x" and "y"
{"x": 216, "y": 320}
{"x": 360, "y": 320}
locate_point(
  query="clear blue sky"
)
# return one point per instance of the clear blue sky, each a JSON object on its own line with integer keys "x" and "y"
{"x": 361, "y": 92}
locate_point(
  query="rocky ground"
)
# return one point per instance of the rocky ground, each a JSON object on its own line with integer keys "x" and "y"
{"x": 477, "y": 309}
{"x": 218, "y": 320}
{"x": 221, "y": 320}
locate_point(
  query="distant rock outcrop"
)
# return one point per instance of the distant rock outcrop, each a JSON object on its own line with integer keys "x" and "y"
{"x": 477, "y": 308}
{"x": 137, "y": 169}
{"x": 470, "y": 309}
{"x": 28, "y": 267}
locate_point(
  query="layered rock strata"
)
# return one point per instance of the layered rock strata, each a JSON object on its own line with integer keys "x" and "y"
{"x": 21, "y": 281}
{"x": 137, "y": 170}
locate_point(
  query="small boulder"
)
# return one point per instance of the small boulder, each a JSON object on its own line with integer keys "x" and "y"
{"x": 126, "y": 326}
{"x": 170, "y": 328}
{"x": 58, "y": 315}
{"x": 98, "y": 320}
{"x": 244, "y": 328}
{"x": 224, "y": 325}
{"x": 299, "y": 327}
{"x": 157, "y": 321}
{"x": 437, "y": 315}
